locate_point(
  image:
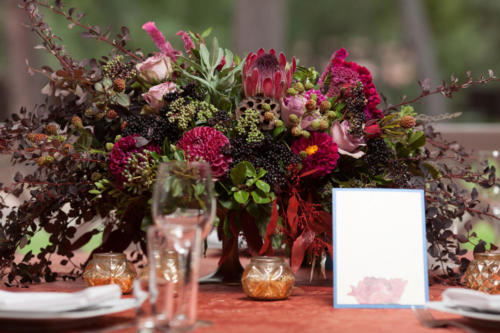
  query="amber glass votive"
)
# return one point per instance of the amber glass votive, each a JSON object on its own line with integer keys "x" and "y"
{"x": 267, "y": 278}
{"x": 110, "y": 268}
{"x": 483, "y": 273}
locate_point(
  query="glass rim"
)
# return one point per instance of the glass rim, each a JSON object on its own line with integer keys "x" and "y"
{"x": 109, "y": 255}
{"x": 487, "y": 255}
{"x": 267, "y": 259}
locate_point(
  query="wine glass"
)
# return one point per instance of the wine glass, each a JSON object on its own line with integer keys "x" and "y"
{"x": 183, "y": 209}
{"x": 183, "y": 195}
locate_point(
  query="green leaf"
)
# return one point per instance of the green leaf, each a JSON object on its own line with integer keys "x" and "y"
{"x": 260, "y": 198}
{"x": 339, "y": 107}
{"x": 214, "y": 52}
{"x": 166, "y": 147}
{"x": 107, "y": 83}
{"x": 205, "y": 56}
{"x": 417, "y": 139}
{"x": 262, "y": 173}
{"x": 229, "y": 58}
{"x": 206, "y": 33}
{"x": 241, "y": 171}
{"x": 122, "y": 99}
{"x": 241, "y": 196}
{"x": 278, "y": 130}
{"x": 262, "y": 185}
{"x": 94, "y": 191}
{"x": 179, "y": 155}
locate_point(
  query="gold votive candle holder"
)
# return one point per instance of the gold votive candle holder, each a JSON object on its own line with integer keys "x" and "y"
{"x": 110, "y": 268}
{"x": 483, "y": 273}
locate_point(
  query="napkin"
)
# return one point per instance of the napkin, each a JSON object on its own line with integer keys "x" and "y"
{"x": 59, "y": 301}
{"x": 471, "y": 299}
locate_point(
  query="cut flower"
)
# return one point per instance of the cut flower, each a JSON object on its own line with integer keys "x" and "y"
{"x": 321, "y": 153}
{"x": 206, "y": 143}
{"x": 264, "y": 73}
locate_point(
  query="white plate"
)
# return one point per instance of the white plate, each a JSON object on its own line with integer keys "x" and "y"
{"x": 108, "y": 308}
{"x": 464, "y": 312}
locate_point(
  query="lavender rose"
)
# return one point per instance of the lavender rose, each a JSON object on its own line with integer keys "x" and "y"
{"x": 347, "y": 143}
{"x": 154, "y": 97}
{"x": 155, "y": 69}
{"x": 295, "y": 105}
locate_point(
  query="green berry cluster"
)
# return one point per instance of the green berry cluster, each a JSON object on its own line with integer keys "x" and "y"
{"x": 205, "y": 112}
{"x": 182, "y": 112}
{"x": 117, "y": 69}
{"x": 248, "y": 126}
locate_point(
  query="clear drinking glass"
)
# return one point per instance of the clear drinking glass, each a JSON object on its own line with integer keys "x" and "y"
{"x": 183, "y": 209}
{"x": 183, "y": 195}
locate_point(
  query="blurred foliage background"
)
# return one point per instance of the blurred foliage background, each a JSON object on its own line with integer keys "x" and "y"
{"x": 461, "y": 34}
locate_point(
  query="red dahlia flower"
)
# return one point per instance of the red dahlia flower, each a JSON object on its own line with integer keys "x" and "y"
{"x": 206, "y": 143}
{"x": 343, "y": 74}
{"x": 322, "y": 153}
{"x": 263, "y": 73}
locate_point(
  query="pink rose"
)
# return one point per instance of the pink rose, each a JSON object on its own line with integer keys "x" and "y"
{"x": 154, "y": 97}
{"x": 295, "y": 105}
{"x": 155, "y": 69}
{"x": 347, "y": 143}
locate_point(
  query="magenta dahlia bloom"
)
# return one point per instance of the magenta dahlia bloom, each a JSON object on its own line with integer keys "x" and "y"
{"x": 346, "y": 73}
{"x": 322, "y": 153}
{"x": 121, "y": 152}
{"x": 205, "y": 143}
{"x": 263, "y": 73}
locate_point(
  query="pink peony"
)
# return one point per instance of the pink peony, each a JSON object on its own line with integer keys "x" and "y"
{"x": 121, "y": 152}
{"x": 154, "y": 97}
{"x": 347, "y": 143}
{"x": 160, "y": 41}
{"x": 264, "y": 74}
{"x": 155, "y": 69}
{"x": 321, "y": 151}
{"x": 206, "y": 143}
{"x": 186, "y": 39}
{"x": 372, "y": 290}
{"x": 345, "y": 73}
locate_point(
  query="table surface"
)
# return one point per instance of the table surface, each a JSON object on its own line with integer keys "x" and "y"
{"x": 227, "y": 309}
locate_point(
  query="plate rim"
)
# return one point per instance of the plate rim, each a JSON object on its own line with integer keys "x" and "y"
{"x": 121, "y": 305}
{"x": 440, "y": 306}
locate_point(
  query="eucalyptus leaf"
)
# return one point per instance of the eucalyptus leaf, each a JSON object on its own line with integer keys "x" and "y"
{"x": 205, "y": 56}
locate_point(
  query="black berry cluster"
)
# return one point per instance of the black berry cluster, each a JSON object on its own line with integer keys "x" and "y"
{"x": 272, "y": 156}
{"x": 152, "y": 128}
{"x": 355, "y": 106}
{"x": 378, "y": 155}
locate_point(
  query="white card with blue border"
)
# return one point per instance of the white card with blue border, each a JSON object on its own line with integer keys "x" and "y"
{"x": 380, "y": 258}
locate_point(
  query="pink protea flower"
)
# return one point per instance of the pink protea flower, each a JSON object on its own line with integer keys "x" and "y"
{"x": 186, "y": 39}
{"x": 206, "y": 143}
{"x": 373, "y": 290}
{"x": 322, "y": 153}
{"x": 264, "y": 73}
{"x": 160, "y": 41}
{"x": 121, "y": 152}
{"x": 346, "y": 73}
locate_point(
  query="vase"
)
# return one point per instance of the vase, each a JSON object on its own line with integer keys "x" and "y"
{"x": 230, "y": 270}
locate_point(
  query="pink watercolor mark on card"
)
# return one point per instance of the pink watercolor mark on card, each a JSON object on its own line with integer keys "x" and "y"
{"x": 372, "y": 290}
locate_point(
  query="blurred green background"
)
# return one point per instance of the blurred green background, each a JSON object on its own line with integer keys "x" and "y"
{"x": 401, "y": 41}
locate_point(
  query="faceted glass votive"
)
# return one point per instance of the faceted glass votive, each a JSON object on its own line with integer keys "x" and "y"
{"x": 110, "y": 268}
{"x": 267, "y": 278}
{"x": 483, "y": 273}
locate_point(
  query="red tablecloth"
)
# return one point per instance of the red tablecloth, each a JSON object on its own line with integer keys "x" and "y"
{"x": 309, "y": 309}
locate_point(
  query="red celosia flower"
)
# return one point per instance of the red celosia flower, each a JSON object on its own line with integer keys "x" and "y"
{"x": 264, "y": 74}
{"x": 186, "y": 39}
{"x": 121, "y": 152}
{"x": 206, "y": 143}
{"x": 160, "y": 41}
{"x": 322, "y": 153}
{"x": 343, "y": 74}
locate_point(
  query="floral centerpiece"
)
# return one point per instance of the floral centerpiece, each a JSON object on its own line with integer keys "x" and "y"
{"x": 278, "y": 138}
